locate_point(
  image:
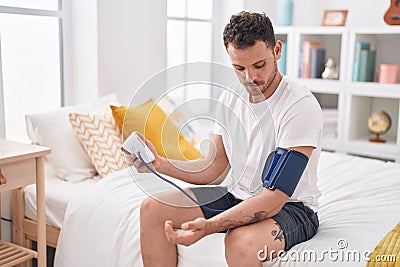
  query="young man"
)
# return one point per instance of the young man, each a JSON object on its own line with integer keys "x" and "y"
{"x": 273, "y": 112}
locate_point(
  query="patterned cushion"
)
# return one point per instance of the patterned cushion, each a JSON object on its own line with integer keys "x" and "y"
{"x": 101, "y": 138}
{"x": 53, "y": 129}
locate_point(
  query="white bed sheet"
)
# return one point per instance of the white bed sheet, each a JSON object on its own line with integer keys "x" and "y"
{"x": 359, "y": 204}
{"x": 58, "y": 194}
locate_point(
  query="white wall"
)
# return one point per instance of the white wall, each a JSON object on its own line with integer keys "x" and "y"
{"x": 2, "y": 116}
{"x": 270, "y": 7}
{"x": 112, "y": 47}
{"x": 132, "y": 45}
{"x": 80, "y": 50}
{"x": 223, "y": 10}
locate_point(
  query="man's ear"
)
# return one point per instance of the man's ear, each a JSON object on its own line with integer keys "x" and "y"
{"x": 278, "y": 49}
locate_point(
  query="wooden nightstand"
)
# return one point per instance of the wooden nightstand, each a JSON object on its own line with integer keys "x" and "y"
{"x": 21, "y": 165}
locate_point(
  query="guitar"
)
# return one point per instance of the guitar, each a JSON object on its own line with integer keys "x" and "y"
{"x": 392, "y": 15}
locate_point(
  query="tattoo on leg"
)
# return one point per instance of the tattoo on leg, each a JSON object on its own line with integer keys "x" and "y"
{"x": 278, "y": 236}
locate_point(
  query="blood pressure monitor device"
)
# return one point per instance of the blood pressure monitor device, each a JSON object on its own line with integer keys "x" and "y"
{"x": 283, "y": 170}
{"x": 134, "y": 144}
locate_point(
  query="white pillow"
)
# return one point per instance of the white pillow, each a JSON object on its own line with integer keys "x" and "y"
{"x": 52, "y": 129}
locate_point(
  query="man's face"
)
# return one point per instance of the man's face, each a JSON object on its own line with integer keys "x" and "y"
{"x": 256, "y": 67}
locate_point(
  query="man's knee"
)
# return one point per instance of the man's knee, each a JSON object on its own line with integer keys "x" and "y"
{"x": 239, "y": 242}
{"x": 150, "y": 207}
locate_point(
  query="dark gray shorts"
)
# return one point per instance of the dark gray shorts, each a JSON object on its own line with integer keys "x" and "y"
{"x": 298, "y": 222}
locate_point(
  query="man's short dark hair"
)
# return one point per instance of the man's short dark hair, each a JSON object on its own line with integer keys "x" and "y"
{"x": 245, "y": 28}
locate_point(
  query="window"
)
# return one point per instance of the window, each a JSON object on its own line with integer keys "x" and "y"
{"x": 189, "y": 39}
{"x": 31, "y": 4}
{"x": 30, "y": 61}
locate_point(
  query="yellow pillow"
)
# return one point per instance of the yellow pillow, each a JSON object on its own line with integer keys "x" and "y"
{"x": 151, "y": 121}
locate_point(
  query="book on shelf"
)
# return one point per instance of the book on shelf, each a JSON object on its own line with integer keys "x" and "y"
{"x": 360, "y": 46}
{"x": 300, "y": 60}
{"x": 367, "y": 65}
{"x": 317, "y": 62}
{"x": 306, "y": 57}
{"x": 282, "y": 60}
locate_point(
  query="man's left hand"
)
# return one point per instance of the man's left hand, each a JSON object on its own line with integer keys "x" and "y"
{"x": 191, "y": 232}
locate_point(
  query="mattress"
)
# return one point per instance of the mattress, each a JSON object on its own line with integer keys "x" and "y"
{"x": 58, "y": 194}
{"x": 359, "y": 204}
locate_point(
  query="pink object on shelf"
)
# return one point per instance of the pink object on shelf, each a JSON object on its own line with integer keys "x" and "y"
{"x": 388, "y": 73}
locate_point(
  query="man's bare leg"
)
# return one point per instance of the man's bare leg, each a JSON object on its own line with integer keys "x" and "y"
{"x": 243, "y": 245}
{"x": 174, "y": 206}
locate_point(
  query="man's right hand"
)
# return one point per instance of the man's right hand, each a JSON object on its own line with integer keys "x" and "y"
{"x": 137, "y": 163}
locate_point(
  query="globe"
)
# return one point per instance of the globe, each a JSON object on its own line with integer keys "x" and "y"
{"x": 379, "y": 123}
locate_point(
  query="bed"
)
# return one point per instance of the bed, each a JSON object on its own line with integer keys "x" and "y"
{"x": 360, "y": 203}
{"x": 93, "y": 221}
{"x": 58, "y": 194}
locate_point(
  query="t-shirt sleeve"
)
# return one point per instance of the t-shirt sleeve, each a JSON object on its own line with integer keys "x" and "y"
{"x": 301, "y": 125}
{"x": 219, "y": 115}
{"x": 217, "y": 129}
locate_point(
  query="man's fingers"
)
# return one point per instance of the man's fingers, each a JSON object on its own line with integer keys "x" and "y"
{"x": 199, "y": 223}
{"x": 131, "y": 156}
{"x": 137, "y": 163}
{"x": 187, "y": 226}
{"x": 185, "y": 237}
{"x": 141, "y": 136}
{"x": 169, "y": 230}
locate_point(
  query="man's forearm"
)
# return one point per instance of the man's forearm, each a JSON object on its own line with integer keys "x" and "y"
{"x": 209, "y": 170}
{"x": 250, "y": 211}
{"x": 194, "y": 171}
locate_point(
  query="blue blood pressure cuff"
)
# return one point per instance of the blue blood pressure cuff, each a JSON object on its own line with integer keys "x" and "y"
{"x": 283, "y": 170}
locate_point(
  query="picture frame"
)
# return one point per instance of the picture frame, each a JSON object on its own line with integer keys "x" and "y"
{"x": 334, "y": 18}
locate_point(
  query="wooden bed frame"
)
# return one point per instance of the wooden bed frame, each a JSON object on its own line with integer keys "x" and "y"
{"x": 24, "y": 229}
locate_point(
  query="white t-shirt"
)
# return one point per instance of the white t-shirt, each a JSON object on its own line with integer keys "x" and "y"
{"x": 250, "y": 132}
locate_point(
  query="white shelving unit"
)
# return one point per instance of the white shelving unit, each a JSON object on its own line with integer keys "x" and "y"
{"x": 354, "y": 101}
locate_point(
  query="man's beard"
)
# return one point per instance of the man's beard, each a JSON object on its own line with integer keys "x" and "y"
{"x": 253, "y": 88}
